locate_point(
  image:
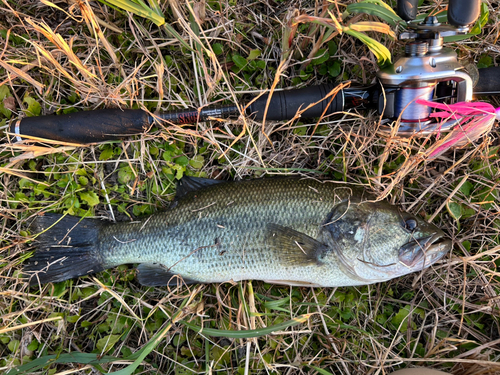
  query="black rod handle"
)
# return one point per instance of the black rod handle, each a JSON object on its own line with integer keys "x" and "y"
{"x": 84, "y": 127}
{"x": 285, "y": 104}
{"x": 463, "y": 12}
{"x": 110, "y": 124}
{"x": 489, "y": 81}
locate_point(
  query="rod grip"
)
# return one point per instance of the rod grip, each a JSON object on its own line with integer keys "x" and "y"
{"x": 84, "y": 127}
{"x": 489, "y": 81}
{"x": 407, "y": 9}
{"x": 285, "y": 104}
{"x": 463, "y": 12}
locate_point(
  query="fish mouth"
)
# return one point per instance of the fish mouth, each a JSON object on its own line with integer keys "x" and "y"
{"x": 424, "y": 251}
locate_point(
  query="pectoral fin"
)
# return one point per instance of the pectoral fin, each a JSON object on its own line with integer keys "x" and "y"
{"x": 153, "y": 274}
{"x": 294, "y": 248}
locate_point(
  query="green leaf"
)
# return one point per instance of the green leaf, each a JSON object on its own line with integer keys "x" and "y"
{"x": 4, "y": 339}
{"x": 13, "y": 345}
{"x": 107, "y": 153}
{"x": 125, "y": 175}
{"x": 466, "y": 188}
{"x": 481, "y": 22}
{"x": 379, "y": 50}
{"x": 457, "y": 38}
{"x": 484, "y": 16}
{"x": 442, "y": 17}
{"x": 454, "y": 209}
{"x": 217, "y": 48}
{"x": 248, "y": 333}
{"x": 126, "y": 351}
{"x": 321, "y": 57}
{"x": 334, "y": 69}
{"x": 323, "y": 69}
{"x": 176, "y": 35}
{"x": 141, "y": 209}
{"x": 82, "y": 180}
{"x": 154, "y": 14}
{"x": 59, "y": 290}
{"x": 4, "y": 94}
{"x": 5, "y": 111}
{"x": 34, "y": 108}
{"x": 321, "y": 371}
{"x": 139, "y": 355}
{"x": 332, "y": 48}
{"x": 239, "y": 60}
{"x": 141, "y": 10}
{"x": 72, "y": 318}
{"x": 179, "y": 171}
{"x": 277, "y": 304}
{"x": 90, "y": 197}
{"x": 45, "y": 361}
{"x": 155, "y": 6}
{"x": 401, "y": 318}
{"x": 107, "y": 342}
{"x": 254, "y": 54}
{"x": 466, "y": 244}
{"x": 220, "y": 355}
{"x": 486, "y": 198}
{"x": 376, "y": 8}
{"x": 182, "y": 160}
{"x": 484, "y": 62}
{"x": 197, "y": 162}
{"x": 33, "y": 345}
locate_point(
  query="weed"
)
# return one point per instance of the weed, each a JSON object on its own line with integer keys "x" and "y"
{"x": 62, "y": 58}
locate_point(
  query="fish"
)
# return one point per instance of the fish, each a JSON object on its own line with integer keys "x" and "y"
{"x": 289, "y": 231}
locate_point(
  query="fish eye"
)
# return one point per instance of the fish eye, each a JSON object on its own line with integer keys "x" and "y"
{"x": 410, "y": 225}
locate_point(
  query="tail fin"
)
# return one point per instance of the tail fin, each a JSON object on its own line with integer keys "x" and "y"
{"x": 67, "y": 248}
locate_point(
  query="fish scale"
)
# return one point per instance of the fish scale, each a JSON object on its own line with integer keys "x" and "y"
{"x": 284, "y": 230}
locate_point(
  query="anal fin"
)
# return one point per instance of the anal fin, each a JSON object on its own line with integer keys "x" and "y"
{"x": 154, "y": 274}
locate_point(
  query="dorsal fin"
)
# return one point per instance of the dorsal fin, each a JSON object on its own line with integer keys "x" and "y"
{"x": 294, "y": 248}
{"x": 187, "y": 184}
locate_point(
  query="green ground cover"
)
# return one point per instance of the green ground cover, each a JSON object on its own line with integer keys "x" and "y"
{"x": 59, "y": 57}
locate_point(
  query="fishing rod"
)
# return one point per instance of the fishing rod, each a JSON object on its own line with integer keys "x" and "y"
{"x": 427, "y": 71}
{"x": 111, "y": 124}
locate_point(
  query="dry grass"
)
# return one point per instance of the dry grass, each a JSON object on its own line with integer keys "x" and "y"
{"x": 86, "y": 55}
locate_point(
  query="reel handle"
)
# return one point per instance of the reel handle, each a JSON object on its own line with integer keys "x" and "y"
{"x": 460, "y": 12}
{"x": 463, "y": 12}
{"x": 407, "y": 9}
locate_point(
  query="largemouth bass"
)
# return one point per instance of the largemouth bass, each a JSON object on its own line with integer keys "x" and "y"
{"x": 282, "y": 230}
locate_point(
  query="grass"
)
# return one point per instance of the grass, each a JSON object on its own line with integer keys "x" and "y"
{"x": 89, "y": 56}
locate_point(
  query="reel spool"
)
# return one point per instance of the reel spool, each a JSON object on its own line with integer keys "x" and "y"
{"x": 408, "y": 109}
{"x": 427, "y": 71}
